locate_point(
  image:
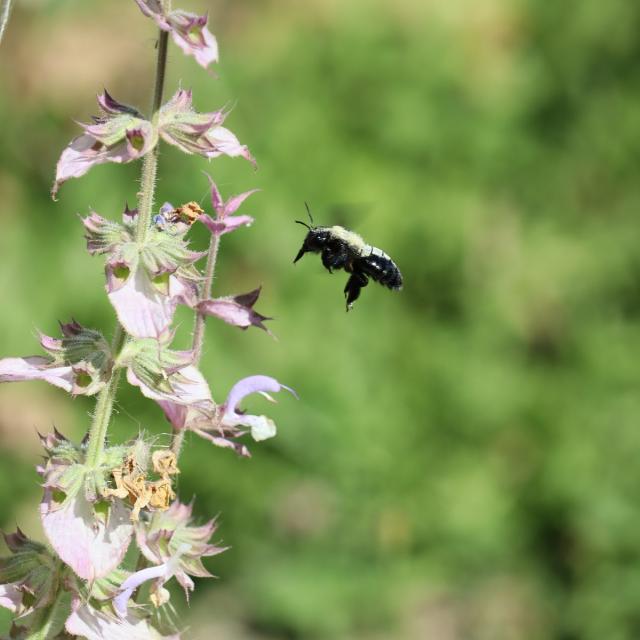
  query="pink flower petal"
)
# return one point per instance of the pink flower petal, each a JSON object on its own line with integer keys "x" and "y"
{"x": 190, "y": 33}
{"x": 221, "y": 226}
{"x": 142, "y": 310}
{"x": 176, "y": 414}
{"x": 216, "y": 199}
{"x": 89, "y": 623}
{"x": 10, "y": 597}
{"x": 36, "y": 368}
{"x": 91, "y": 547}
{"x": 224, "y": 142}
{"x": 189, "y": 388}
{"x": 237, "y": 310}
{"x": 234, "y": 202}
{"x": 86, "y": 151}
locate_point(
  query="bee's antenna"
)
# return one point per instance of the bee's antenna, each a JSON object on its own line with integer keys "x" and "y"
{"x": 306, "y": 204}
{"x": 304, "y": 223}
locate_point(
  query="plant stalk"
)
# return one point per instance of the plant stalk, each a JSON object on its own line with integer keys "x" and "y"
{"x": 150, "y": 161}
{"x": 106, "y": 398}
{"x": 104, "y": 408}
{"x": 198, "y": 327}
{"x": 199, "y": 324}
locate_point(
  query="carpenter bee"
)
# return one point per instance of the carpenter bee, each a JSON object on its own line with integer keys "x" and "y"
{"x": 340, "y": 248}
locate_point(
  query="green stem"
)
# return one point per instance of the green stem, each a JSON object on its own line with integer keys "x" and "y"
{"x": 5, "y": 10}
{"x": 198, "y": 328}
{"x": 205, "y": 292}
{"x": 106, "y": 398}
{"x": 104, "y": 408}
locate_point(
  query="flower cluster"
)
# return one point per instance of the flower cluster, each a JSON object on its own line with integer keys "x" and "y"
{"x": 99, "y": 499}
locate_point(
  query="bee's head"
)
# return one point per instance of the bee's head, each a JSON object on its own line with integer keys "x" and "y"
{"x": 316, "y": 238}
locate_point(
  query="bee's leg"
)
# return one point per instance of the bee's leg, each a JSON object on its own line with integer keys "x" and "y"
{"x": 352, "y": 289}
{"x": 334, "y": 259}
{"x": 327, "y": 257}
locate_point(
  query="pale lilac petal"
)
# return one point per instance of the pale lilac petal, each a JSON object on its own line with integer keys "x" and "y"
{"x": 90, "y": 546}
{"x": 189, "y": 388}
{"x": 182, "y": 291}
{"x": 36, "y": 368}
{"x": 89, "y": 623}
{"x": 224, "y": 142}
{"x": 253, "y": 384}
{"x": 142, "y": 310}
{"x": 262, "y": 428}
{"x": 220, "y": 226}
{"x": 134, "y": 581}
{"x": 76, "y": 159}
{"x": 10, "y": 597}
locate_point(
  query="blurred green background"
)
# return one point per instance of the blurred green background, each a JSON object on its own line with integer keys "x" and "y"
{"x": 463, "y": 462}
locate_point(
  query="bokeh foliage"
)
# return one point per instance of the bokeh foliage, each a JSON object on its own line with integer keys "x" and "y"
{"x": 463, "y": 460}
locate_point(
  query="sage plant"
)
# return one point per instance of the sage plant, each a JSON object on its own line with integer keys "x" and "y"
{"x": 100, "y": 498}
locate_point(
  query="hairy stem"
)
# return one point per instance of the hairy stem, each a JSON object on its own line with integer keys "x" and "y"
{"x": 198, "y": 327}
{"x": 104, "y": 408}
{"x": 5, "y": 10}
{"x": 150, "y": 161}
{"x": 106, "y": 398}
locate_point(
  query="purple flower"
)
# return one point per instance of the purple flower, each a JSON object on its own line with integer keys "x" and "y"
{"x": 225, "y": 221}
{"x": 80, "y": 362}
{"x": 236, "y": 310}
{"x": 261, "y": 427}
{"x": 144, "y": 283}
{"x": 172, "y": 541}
{"x": 200, "y": 133}
{"x": 161, "y": 573}
{"x": 188, "y": 31}
{"x": 120, "y": 135}
{"x": 227, "y": 423}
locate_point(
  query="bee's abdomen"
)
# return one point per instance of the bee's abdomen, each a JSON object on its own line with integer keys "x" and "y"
{"x": 381, "y": 268}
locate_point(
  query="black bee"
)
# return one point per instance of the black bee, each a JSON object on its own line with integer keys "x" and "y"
{"x": 340, "y": 248}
